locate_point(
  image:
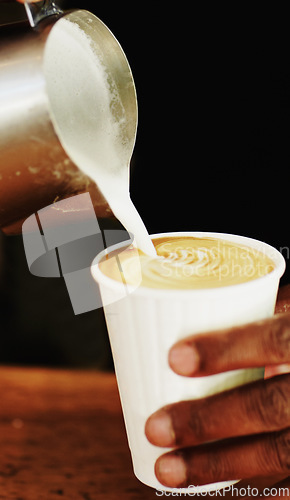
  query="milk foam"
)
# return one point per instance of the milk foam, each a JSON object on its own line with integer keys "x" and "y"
{"x": 189, "y": 263}
{"x": 83, "y": 101}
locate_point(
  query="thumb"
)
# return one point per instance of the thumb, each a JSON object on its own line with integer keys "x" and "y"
{"x": 283, "y": 300}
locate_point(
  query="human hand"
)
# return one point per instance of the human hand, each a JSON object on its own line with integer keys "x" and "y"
{"x": 250, "y": 424}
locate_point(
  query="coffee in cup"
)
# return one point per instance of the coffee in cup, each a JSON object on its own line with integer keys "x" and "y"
{"x": 188, "y": 263}
{"x": 198, "y": 282}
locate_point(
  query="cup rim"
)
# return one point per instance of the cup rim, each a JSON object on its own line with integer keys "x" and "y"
{"x": 271, "y": 251}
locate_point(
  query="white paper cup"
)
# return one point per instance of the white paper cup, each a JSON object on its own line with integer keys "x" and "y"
{"x": 146, "y": 322}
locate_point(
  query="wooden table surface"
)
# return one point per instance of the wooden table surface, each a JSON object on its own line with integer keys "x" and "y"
{"x": 62, "y": 436}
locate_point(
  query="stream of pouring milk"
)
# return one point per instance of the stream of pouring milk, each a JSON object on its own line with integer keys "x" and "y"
{"x": 81, "y": 101}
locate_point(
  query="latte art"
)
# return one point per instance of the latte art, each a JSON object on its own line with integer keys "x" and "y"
{"x": 189, "y": 263}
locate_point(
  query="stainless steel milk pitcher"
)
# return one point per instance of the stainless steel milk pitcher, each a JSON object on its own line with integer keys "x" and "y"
{"x": 35, "y": 169}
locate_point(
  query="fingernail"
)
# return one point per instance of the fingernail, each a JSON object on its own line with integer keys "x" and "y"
{"x": 159, "y": 429}
{"x": 171, "y": 471}
{"x": 184, "y": 359}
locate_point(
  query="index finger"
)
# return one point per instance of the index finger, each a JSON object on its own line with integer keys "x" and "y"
{"x": 256, "y": 344}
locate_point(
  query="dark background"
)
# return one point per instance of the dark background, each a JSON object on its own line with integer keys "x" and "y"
{"x": 212, "y": 153}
